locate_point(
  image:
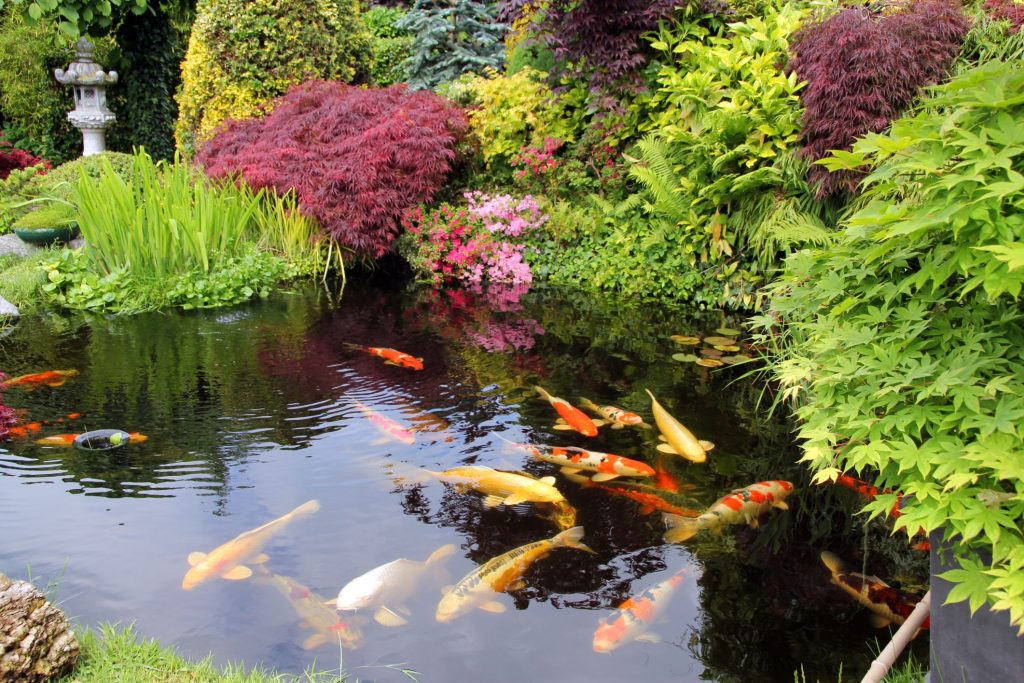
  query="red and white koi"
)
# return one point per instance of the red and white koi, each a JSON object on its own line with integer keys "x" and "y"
{"x": 887, "y": 604}
{"x": 617, "y": 417}
{"x": 386, "y": 425}
{"x": 634, "y": 617}
{"x": 741, "y": 506}
{"x": 391, "y": 356}
{"x": 574, "y": 460}
{"x": 571, "y": 416}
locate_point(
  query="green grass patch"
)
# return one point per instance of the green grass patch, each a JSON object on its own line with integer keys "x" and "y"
{"x": 21, "y": 278}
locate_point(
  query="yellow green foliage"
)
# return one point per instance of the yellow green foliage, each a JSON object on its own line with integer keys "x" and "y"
{"x": 519, "y": 110}
{"x": 242, "y": 54}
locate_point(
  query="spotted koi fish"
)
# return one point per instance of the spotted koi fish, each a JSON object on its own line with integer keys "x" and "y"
{"x": 500, "y": 574}
{"x": 572, "y": 417}
{"x": 634, "y": 618}
{"x": 574, "y": 460}
{"x": 649, "y": 502}
{"x": 50, "y": 378}
{"x": 741, "y": 506}
{"x": 391, "y": 356}
{"x": 887, "y": 604}
{"x": 386, "y": 425}
{"x": 678, "y": 438}
{"x": 617, "y": 417}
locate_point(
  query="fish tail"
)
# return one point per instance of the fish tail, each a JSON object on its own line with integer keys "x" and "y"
{"x": 832, "y": 561}
{"x": 307, "y": 508}
{"x": 572, "y": 538}
{"x": 440, "y": 555}
{"x": 587, "y": 403}
{"x": 543, "y": 392}
{"x": 681, "y": 528}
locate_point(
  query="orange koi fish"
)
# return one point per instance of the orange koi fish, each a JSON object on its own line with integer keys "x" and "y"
{"x": 649, "y": 502}
{"x": 22, "y": 431}
{"x": 387, "y": 425}
{"x": 327, "y": 627}
{"x": 226, "y": 561}
{"x": 679, "y": 439}
{"x": 391, "y": 356}
{"x": 617, "y": 417}
{"x": 635, "y": 616}
{"x": 741, "y": 506}
{"x": 50, "y": 378}
{"x": 574, "y": 460}
{"x": 870, "y": 492}
{"x": 572, "y": 417}
{"x": 887, "y": 604}
{"x": 74, "y": 416}
{"x": 662, "y": 479}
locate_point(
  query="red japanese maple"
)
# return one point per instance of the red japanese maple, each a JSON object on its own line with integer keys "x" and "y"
{"x": 12, "y": 158}
{"x": 356, "y": 158}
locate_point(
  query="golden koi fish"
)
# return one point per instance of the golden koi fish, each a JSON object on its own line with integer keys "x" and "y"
{"x": 742, "y": 506}
{"x": 327, "y": 627}
{"x": 500, "y": 574}
{"x": 226, "y": 561}
{"x": 389, "y": 586}
{"x": 617, "y": 417}
{"x": 635, "y": 616}
{"x": 681, "y": 440}
{"x": 502, "y": 488}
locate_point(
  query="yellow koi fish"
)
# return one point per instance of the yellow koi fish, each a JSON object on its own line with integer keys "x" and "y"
{"x": 327, "y": 627}
{"x": 617, "y": 417}
{"x": 500, "y": 574}
{"x": 227, "y": 561}
{"x": 681, "y": 440}
{"x": 389, "y": 586}
{"x": 502, "y": 488}
{"x": 742, "y": 506}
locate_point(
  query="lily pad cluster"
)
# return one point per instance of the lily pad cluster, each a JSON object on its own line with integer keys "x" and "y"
{"x": 717, "y": 350}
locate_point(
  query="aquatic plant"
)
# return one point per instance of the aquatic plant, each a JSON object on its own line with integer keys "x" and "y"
{"x": 355, "y": 158}
{"x": 863, "y": 68}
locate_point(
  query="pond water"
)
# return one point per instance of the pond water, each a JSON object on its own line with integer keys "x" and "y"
{"x": 252, "y": 411}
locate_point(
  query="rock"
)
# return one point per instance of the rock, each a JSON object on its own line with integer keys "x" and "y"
{"x": 8, "y": 310}
{"x": 12, "y": 244}
{"x": 36, "y": 641}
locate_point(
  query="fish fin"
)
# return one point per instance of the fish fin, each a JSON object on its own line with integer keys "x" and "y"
{"x": 682, "y": 528}
{"x": 493, "y": 606}
{"x": 598, "y": 422}
{"x": 832, "y": 561}
{"x": 387, "y": 362}
{"x": 260, "y": 559}
{"x": 516, "y": 585}
{"x": 754, "y": 522}
{"x": 387, "y": 617}
{"x": 650, "y": 638}
{"x": 604, "y": 476}
{"x": 878, "y": 621}
{"x": 706, "y": 445}
{"x": 493, "y": 501}
{"x": 543, "y": 392}
{"x": 661, "y": 437}
{"x": 570, "y": 470}
{"x": 562, "y": 427}
{"x": 618, "y": 425}
{"x": 314, "y": 641}
{"x": 403, "y": 610}
{"x": 646, "y": 509}
{"x": 550, "y": 481}
{"x": 440, "y": 555}
{"x": 196, "y": 557}
{"x": 781, "y": 504}
{"x": 237, "y": 573}
{"x": 333, "y": 602}
{"x": 515, "y": 499}
{"x": 665, "y": 448}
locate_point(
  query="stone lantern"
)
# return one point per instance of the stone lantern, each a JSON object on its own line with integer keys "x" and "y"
{"x": 90, "y": 114}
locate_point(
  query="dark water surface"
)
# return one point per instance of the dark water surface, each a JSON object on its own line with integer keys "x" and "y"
{"x": 253, "y": 410}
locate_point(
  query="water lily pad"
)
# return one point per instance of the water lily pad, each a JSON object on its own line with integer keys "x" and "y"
{"x": 730, "y": 348}
{"x": 684, "y": 357}
{"x": 713, "y": 353}
{"x": 709, "y": 362}
{"x": 683, "y": 339}
{"x": 728, "y": 332}
{"x": 719, "y": 341}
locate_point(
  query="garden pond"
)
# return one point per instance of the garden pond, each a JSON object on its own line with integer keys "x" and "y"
{"x": 254, "y": 410}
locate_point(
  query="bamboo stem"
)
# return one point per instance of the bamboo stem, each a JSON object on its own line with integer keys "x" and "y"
{"x": 887, "y": 657}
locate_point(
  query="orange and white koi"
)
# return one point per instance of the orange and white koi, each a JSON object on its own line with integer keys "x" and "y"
{"x": 391, "y": 356}
{"x": 649, "y": 502}
{"x": 634, "y": 617}
{"x": 68, "y": 440}
{"x": 327, "y": 627}
{"x": 572, "y": 417}
{"x": 500, "y": 574}
{"x": 386, "y": 424}
{"x": 574, "y": 460}
{"x": 680, "y": 440}
{"x": 887, "y": 604}
{"x": 50, "y": 378}
{"x": 226, "y": 561}
{"x": 617, "y": 417}
{"x": 741, "y": 506}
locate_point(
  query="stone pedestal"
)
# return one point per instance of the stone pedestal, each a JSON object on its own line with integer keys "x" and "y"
{"x": 90, "y": 114}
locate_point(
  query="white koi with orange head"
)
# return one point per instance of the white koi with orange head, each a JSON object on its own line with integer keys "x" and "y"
{"x": 500, "y": 574}
{"x": 680, "y": 440}
{"x": 572, "y": 417}
{"x": 227, "y": 561}
{"x": 634, "y": 617}
{"x": 742, "y": 506}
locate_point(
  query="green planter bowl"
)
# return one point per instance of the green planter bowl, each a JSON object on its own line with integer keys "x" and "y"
{"x": 42, "y": 237}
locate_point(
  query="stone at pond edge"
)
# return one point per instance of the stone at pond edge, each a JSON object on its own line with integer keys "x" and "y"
{"x": 8, "y": 310}
{"x": 36, "y": 642}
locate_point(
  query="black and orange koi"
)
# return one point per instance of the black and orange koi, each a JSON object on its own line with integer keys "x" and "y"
{"x": 887, "y": 604}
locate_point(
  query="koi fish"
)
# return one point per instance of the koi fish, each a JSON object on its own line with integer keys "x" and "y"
{"x": 635, "y": 616}
{"x": 386, "y": 424}
{"x": 21, "y": 431}
{"x": 391, "y": 356}
{"x": 662, "y": 478}
{"x": 618, "y": 417}
{"x": 574, "y": 460}
{"x": 572, "y": 417}
{"x": 68, "y": 440}
{"x": 50, "y": 378}
{"x": 74, "y": 416}
{"x": 681, "y": 440}
{"x": 887, "y": 604}
{"x": 649, "y": 502}
{"x": 425, "y": 421}
{"x": 870, "y": 492}
{"x": 389, "y": 586}
{"x": 502, "y": 488}
{"x": 500, "y": 574}
{"x": 563, "y": 515}
{"x": 741, "y": 506}
{"x": 226, "y": 561}
{"x": 327, "y": 627}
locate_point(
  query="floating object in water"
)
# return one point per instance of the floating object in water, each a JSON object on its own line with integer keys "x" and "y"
{"x": 391, "y": 356}
{"x": 684, "y": 357}
{"x": 728, "y": 332}
{"x": 327, "y": 627}
{"x": 226, "y": 561}
{"x": 618, "y": 417}
{"x": 574, "y": 460}
{"x": 500, "y": 574}
{"x": 572, "y": 417}
{"x": 681, "y": 440}
{"x": 685, "y": 340}
{"x": 104, "y": 440}
{"x": 720, "y": 341}
{"x": 709, "y": 362}
{"x": 742, "y": 506}
{"x": 385, "y": 424}
{"x": 389, "y": 586}
{"x": 731, "y": 348}
{"x": 634, "y": 617}
{"x": 887, "y": 604}
{"x": 50, "y": 378}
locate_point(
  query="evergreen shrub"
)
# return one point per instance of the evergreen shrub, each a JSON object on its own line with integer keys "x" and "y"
{"x": 389, "y": 45}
